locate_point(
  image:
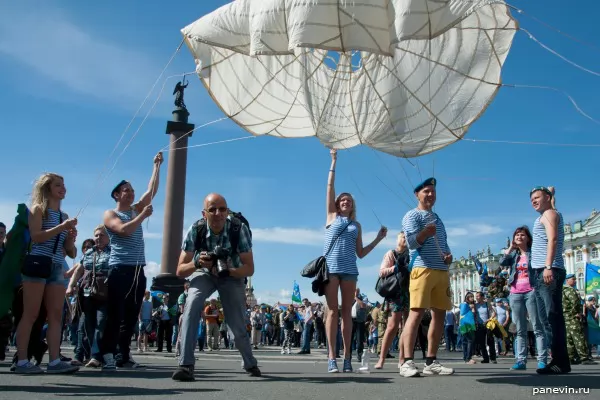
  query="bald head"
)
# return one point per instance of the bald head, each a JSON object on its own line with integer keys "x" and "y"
{"x": 213, "y": 198}
{"x": 215, "y": 212}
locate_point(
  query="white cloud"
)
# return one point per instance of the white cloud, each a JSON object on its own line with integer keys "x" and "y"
{"x": 272, "y": 297}
{"x": 308, "y": 237}
{"x": 47, "y": 42}
{"x": 151, "y": 269}
{"x": 316, "y": 237}
{"x": 299, "y": 236}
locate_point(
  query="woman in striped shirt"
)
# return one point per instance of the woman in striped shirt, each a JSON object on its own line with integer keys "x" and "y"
{"x": 51, "y": 231}
{"x": 343, "y": 243}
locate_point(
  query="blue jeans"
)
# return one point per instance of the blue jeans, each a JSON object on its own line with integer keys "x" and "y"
{"x": 450, "y": 337}
{"x": 467, "y": 345}
{"x": 306, "y": 336}
{"x": 523, "y": 304}
{"x": 95, "y": 323}
{"x": 550, "y": 312}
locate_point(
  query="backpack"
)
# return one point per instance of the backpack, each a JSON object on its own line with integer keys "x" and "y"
{"x": 237, "y": 220}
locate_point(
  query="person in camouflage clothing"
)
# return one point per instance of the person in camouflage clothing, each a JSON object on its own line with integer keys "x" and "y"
{"x": 577, "y": 346}
{"x": 498, "y": 288}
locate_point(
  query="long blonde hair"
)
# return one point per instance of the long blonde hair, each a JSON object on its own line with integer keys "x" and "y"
{"x": 41, "y": 191}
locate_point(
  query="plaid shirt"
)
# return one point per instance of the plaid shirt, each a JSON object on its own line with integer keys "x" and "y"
{"x": 244, "y": 246}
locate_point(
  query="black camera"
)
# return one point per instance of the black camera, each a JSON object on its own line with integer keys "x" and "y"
{"x": 219, "y": 255}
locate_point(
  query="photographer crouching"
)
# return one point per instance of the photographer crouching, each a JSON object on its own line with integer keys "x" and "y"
{"x": 216, "y": 256}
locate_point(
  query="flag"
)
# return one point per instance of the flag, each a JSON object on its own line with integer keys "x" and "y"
{"x": 592, "y": 278}
{"x": 296, "y": 297}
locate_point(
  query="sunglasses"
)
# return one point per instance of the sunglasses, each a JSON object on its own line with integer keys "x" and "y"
{"x": 213, "y": 210}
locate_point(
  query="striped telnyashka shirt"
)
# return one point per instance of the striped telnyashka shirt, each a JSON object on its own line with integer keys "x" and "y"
{"x": 127, "y": 250}
{"x": 342, "y": 257}
{"x": 428, "y": 254}
{"x": 46, "y": 248}
{"x": 539, "y": 247}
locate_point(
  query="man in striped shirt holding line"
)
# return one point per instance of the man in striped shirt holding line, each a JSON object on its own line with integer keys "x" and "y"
{"x": 429, "y": 279}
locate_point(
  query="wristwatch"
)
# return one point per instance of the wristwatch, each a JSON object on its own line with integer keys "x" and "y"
{"x": 548, "y": 266}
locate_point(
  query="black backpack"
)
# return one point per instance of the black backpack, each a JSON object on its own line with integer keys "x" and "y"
{"x": 237, "y": 220}
{"x": 393, "y": 285}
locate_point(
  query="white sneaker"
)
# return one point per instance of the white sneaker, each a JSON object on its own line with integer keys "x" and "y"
{"x": 409, "y": 369}
{"x": 289, "y": 351}
{"x": 282, "y": 351}
{"x": 437, "y": 369}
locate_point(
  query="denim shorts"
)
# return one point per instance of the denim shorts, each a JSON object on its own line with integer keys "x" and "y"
{"x": 346, "y": 277}
{"x": 57, "y": 276}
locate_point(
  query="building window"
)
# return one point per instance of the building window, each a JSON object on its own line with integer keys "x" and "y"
{"x": 580, "y": 282}
{"x": 595, "y": 253}
{"x": 578, "y": 256}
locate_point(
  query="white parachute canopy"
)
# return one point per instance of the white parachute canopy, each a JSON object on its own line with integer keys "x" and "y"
{"x": 406, "y": 77}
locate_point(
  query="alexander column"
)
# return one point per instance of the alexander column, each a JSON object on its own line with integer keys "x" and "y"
{"x": 179, "y": 131}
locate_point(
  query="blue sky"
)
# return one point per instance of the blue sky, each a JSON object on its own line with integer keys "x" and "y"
{"x": 74, "y": 73}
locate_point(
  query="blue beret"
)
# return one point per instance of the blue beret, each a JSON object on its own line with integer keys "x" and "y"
{"x": 426, "y": 182}
{"x": 569, "y": 276}
{"x": 116, "y": 188}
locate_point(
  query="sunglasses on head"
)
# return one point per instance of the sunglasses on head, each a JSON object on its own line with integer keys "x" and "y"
{"x": 541, "y": 188}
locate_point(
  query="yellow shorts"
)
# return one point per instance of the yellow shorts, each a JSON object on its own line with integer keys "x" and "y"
{"x": 430, "y": 288}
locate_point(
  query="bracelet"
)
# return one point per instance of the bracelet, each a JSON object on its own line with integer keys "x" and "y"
{"x": 332, "y": 170}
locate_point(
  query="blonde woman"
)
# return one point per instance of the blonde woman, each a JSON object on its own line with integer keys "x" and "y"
{"x": 399, "y": 306}
{"x": 51, "y": 231}
{"x": 343, "y": 243}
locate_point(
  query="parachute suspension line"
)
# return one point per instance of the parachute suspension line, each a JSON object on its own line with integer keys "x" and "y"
{"x": 532, "y": 143}
{"x": 404, "y": 170}
{"x": 138, "y": 129}
{"x": 547, "y": 25}
{"x": 99, "y": 182}
{"x": 193, "y": 130}
{"x": 360, "y": 191}
{"x": 219, "y": 142}
{"x": 393, "y": 175}
{"x": 577, "y": 108}
{"x": 589, "y": 71}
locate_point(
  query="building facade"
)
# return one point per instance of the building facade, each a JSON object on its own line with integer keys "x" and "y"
{"x": 463, "y": 274}
{"x": 582, "y": 245}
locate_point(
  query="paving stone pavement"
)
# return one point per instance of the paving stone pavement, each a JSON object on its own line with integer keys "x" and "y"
{"x": 219, "y": 376}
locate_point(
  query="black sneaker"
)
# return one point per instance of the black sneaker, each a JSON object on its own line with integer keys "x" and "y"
{"x": 254, "y": 371}
{"x": 184, "y": 373}
{"x": 553, "y": 369}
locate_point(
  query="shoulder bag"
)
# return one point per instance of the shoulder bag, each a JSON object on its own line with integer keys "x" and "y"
{"x": 98, "y": 286}
{"x": 391, "y": 286}
{"x": 312, "y": 268}
{"x": 40, "y": 266}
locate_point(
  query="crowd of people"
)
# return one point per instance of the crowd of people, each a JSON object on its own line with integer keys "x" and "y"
{"x": 109, "y": 287}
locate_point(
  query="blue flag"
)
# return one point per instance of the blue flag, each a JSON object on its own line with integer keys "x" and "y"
{"x": 296, "y": 297}
{"x": 592, "y": 278}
